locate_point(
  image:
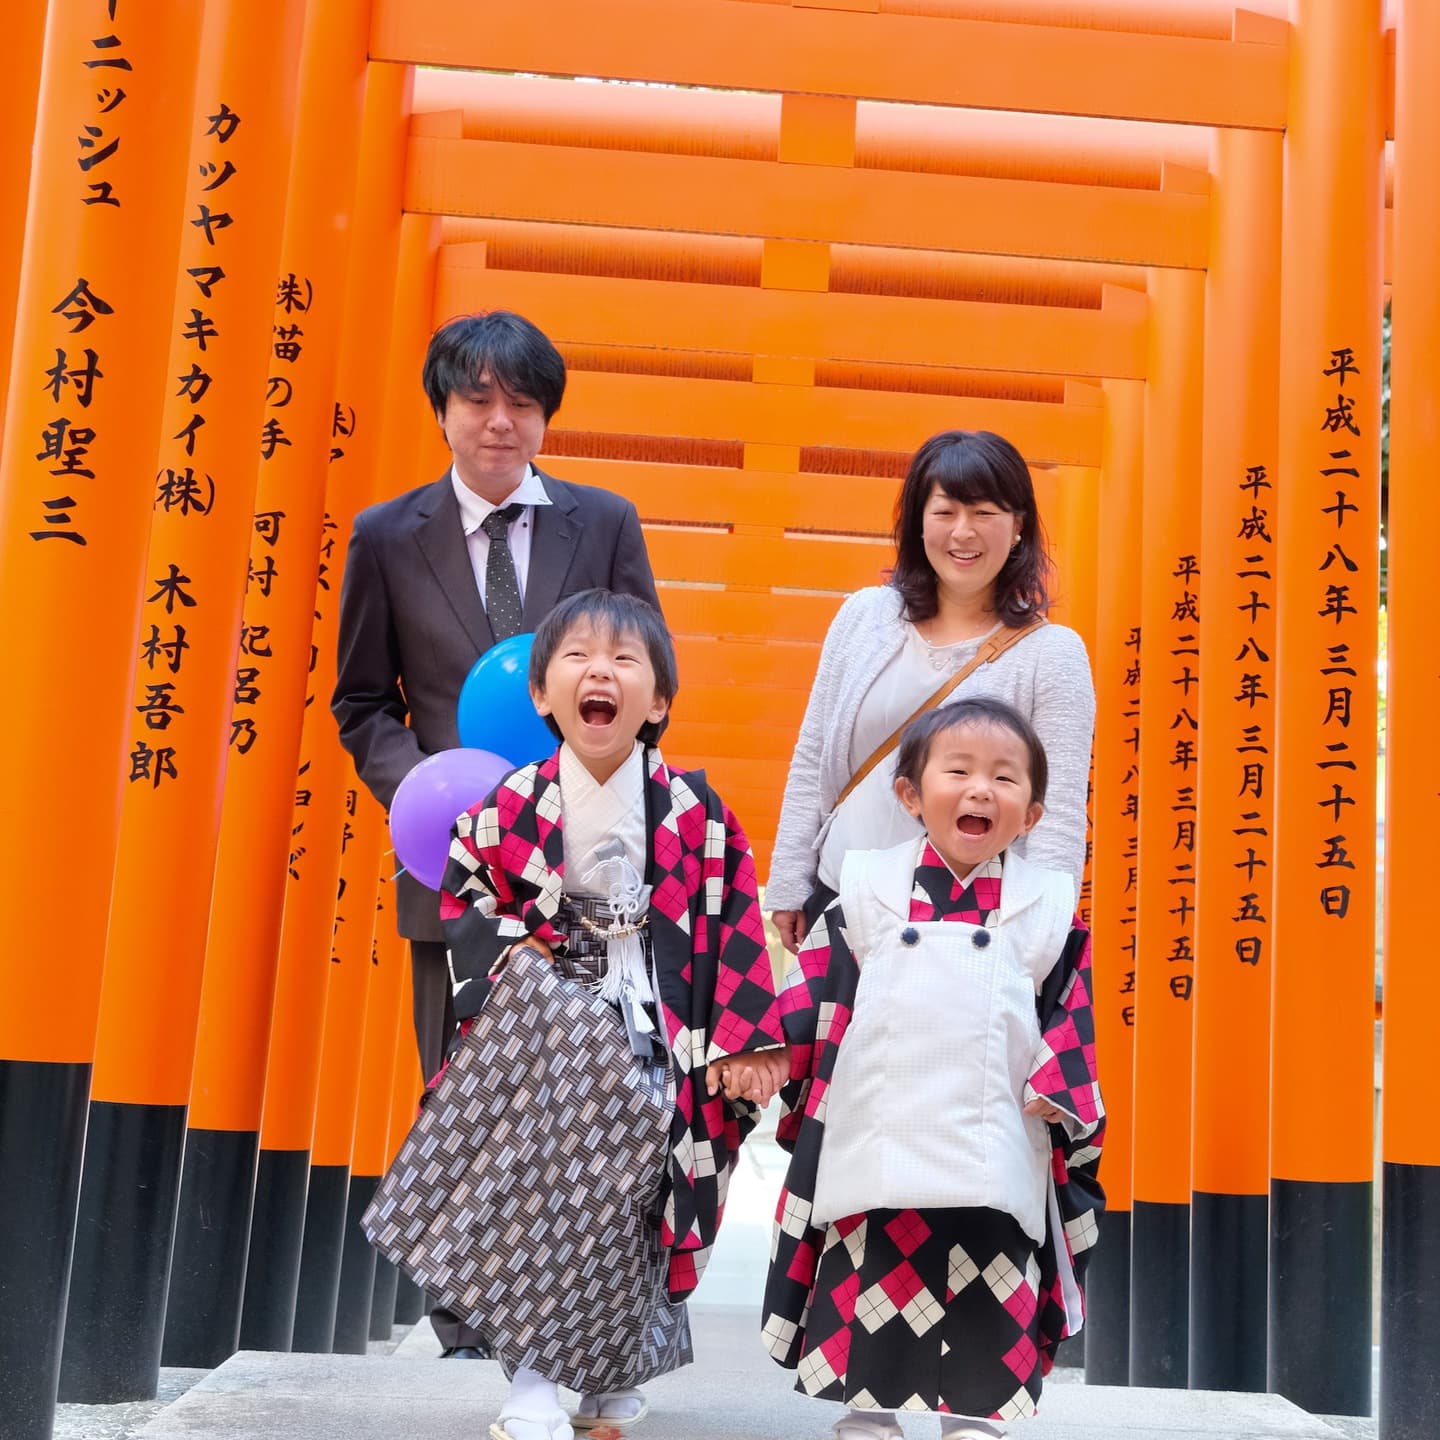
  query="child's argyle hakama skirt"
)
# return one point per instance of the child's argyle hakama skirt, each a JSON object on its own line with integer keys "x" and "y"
{"x": 930, "y": 1309}
{"x": 527, "y": 1197}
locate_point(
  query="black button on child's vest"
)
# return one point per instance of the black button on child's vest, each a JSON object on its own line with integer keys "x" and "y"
{"x": 909, "y": 936}
{"x": 980, "y": 939}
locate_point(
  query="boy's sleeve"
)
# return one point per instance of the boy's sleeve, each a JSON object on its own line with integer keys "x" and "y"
{"x": 478, "y": 907}
{"x": 1064, "y": 1073}
{"x": 746, "y": 1012}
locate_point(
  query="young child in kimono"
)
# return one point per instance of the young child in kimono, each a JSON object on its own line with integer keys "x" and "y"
{"x": 637, "y": 880}
{"x": 944, "y": 1119}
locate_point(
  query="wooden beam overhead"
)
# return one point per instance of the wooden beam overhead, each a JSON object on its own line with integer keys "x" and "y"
{"x": 882, "y": 329}
{"x": 771, "y": 199}
{"x": 721, "y": 497}
{"x": 601, "y": 402}
{"x": 919, "y": 58}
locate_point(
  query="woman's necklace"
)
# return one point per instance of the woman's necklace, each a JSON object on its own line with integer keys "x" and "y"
{"x": 945, "y": 654}
{"x": 941, "y": 657}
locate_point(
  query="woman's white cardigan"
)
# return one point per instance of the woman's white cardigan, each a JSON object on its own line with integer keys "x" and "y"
{"x": 1046, "y": 676}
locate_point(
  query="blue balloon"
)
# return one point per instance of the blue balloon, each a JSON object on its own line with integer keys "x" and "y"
{"x": 495, "y": 712}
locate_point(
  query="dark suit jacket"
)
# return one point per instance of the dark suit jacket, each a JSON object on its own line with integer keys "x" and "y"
{"x": 412, "y": 625}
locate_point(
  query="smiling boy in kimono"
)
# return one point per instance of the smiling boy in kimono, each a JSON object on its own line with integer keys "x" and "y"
{"x": 637, "y": 880}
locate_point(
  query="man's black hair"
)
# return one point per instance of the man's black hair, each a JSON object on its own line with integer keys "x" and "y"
{"x": 919, "y": 737}
{"x": 517, "y": 354}
{"x": 615, "y": 614}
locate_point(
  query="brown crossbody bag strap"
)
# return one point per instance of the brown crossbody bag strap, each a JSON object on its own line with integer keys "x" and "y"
{"x": 989, "y": 650}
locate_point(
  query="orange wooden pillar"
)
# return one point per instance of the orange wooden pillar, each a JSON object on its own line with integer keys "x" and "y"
{"x": 354, "y": 473}
{"x": 337, "y": 1102}
{"x": 1068, "y": 513}
{"x": 25, "y": 41}
{"x": 1072, "y": 518}
{"x": 1409, "y": 1263}
{"x": 393, "y": 258}
{"x": 281, "y": 1212}
{"x": 397, "y": 1300}
{"x": 1229, "y": 1207}
{"x": 1115, "y": 869}
{"x": 354, "y": 1309}
{"x": 1049, "y": 483}
{"x": 256, "y": 850}
{"x": 1169, "y": 759}
{"x": 102, "y": 229}
{"x": 1079, "y": 559}
{"x": 1322, "y": 1026}
{"x": 404, "y": 1106}
{"x": 816, "y": 131}
{"x": 378, "y": 1118}
{"x": 205, "y": 486}
{"x": 405, "y": 416}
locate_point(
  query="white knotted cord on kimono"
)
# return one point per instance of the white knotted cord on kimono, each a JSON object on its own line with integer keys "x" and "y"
{"x": 626, "y": 980}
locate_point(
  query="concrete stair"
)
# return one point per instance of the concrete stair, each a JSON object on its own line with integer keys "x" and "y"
{"x": 733, "y": 1392}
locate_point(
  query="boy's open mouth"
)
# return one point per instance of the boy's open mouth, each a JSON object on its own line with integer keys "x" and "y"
{"x": 974, "y": 824}
{"x": 597, "y": 711}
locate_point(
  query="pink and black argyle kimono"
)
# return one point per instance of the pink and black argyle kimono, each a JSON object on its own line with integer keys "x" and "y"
{"x": 506, "y": 879}
{"x": 950, "y": 1308}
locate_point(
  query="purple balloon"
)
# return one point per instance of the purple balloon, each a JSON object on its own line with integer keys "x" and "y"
{"x": 430, "y": 798}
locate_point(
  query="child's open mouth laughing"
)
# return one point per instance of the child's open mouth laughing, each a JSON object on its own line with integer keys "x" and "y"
{"x": 598, "y": 711}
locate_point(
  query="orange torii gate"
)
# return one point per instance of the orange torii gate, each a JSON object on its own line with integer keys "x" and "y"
{"x": 767, "y": 300}
{"x": 673, "y": 310}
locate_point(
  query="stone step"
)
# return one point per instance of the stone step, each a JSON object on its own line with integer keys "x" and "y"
{"x": 733, "y": 1392}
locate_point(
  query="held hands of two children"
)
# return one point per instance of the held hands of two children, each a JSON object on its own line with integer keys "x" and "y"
{"x": 754, "y": 1075}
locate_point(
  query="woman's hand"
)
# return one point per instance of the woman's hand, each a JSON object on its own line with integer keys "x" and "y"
{"x": 791, "y": 925}
{"x": 1051, "y": 1114}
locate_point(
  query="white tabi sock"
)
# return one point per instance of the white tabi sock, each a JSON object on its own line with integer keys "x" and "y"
{"x": 960, "y": 1427}
{"x": 532, "y": 1410}
{"x": 869, "y": 1425}
{"x": 613, "y": 1405}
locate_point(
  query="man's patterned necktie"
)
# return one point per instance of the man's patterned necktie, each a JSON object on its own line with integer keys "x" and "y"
{"x": 502, "y": 588}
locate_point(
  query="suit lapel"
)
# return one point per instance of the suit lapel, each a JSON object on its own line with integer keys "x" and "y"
{"x": 441, "y": 538}
{"x": 552, "y": 551}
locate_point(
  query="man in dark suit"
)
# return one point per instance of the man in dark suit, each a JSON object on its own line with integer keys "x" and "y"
{"x": 438, "y": 575}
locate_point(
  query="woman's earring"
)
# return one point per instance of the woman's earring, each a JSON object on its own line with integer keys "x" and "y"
{"x": 1014, "y": 542}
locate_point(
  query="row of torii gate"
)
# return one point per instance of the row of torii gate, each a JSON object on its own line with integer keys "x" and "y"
{"x": 775, "y": 266}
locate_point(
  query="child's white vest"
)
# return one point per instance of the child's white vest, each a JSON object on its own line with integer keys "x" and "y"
{"x": 925, "y": 1104}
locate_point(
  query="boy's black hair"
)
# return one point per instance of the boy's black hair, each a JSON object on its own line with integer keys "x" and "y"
{"x": 972, "y": 467}
{"x": 617, "y": 614}
{"x": 518, "y": 355}
{"x": 920, "y": 735}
